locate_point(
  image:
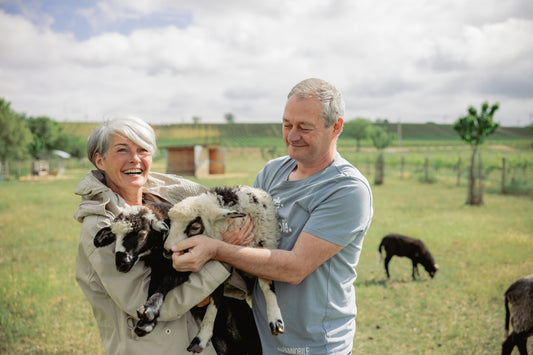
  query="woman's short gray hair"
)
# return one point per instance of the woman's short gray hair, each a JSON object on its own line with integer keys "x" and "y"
{"x": 133, "y": 128}
{"x": 331, "y": 98}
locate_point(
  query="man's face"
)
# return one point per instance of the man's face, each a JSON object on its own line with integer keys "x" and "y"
{"x": 307, "y": 138}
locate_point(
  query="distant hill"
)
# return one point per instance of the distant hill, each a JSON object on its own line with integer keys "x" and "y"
{"x": 269, "y": 134}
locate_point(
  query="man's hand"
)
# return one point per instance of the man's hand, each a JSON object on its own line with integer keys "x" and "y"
{"x": 193, "y": 253}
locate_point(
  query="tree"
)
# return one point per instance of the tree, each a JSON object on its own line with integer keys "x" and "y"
{"x": 229, "y": 117}
{"x": 46, "y": 134}
{"x": 357, "y": 129}
{"x": 473, "y": 129}
{"x": 14, "y": 135}
{"x": 381, "y": 140}
{"x": 74, "y": 145}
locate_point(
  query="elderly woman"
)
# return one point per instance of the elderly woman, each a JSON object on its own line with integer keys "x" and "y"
{"x": 121, "y": 149}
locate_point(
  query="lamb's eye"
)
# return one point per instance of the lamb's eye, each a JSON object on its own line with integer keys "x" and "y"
{"x": 195, "y": 228}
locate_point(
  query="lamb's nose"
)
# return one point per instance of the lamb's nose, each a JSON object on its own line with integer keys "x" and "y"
{"x": 168, "y": 254}
{"x": 124, "y": 262}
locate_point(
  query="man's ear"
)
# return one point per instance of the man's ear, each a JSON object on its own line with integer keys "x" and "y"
{"x": 337, "y": 126}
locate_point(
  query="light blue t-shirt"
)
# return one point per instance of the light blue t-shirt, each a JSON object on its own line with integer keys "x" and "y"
{"x": 336, "y": 205}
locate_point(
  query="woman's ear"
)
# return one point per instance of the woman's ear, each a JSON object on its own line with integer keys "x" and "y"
{"x": 99, "y": 160}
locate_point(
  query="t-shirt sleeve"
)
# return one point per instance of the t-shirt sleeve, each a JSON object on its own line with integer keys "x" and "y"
{"x": 341, "y": 215}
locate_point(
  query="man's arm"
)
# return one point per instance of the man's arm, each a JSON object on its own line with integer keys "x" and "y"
{"x": 291, "y": 266}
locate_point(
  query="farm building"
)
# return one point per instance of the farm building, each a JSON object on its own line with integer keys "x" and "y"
{"x": 196, "y": 160}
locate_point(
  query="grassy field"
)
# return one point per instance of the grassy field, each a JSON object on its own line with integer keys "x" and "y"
{"x": 480, "y": 251}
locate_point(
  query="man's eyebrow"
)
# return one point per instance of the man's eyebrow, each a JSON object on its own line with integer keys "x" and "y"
{"x": 300, "y": 123}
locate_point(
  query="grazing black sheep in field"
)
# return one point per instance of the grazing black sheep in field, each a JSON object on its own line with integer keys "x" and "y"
{"x": 520, "y": 296}
{"x": 414, "y": 249}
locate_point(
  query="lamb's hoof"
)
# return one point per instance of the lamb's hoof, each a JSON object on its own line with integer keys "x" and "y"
{"x": 195, "y": 346}
{"x": 146, "y": 313}
{"x": 144, "y": 328}
{"x": 277, "y": 327}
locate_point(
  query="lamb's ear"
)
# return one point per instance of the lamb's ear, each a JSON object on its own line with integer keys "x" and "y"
{"x": 160, "y": 226}
{"x": 104, "y": 237}
{"x": 224, "y": 213}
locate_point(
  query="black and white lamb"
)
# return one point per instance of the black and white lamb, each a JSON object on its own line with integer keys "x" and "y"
{"x": 139, "y": 232}
{"x": 520, "y": 296}
{"x": 208, "y": 214}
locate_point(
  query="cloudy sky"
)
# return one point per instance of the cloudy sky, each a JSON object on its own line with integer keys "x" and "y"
{"x": 169, "y": 60}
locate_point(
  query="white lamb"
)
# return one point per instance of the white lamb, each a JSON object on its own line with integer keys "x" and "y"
{"x": 208, "y": 214}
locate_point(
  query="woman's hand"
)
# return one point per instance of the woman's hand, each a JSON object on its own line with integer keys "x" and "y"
{"x": 239, "y": 231}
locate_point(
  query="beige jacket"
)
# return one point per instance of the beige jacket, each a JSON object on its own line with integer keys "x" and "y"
{"x": 115, "y": 296}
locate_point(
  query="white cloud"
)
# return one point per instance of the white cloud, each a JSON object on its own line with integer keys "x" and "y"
{"x": 419, "y": 61}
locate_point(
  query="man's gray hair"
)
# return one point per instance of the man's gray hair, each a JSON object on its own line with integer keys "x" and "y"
{"x": 331, "y": 98}
{"x": 133, "y": 128}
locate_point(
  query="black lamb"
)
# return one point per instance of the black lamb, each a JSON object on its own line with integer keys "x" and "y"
{"x": 520, "y": 296}
{"x": 414, "y": 249}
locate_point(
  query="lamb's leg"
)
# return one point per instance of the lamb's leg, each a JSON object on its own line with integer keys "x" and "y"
{"x": 161, "y": 282}
{"x": 273, "y": 312}
{"x": 205, "y": 332}
{"x": 509, "y": 344}
{"x": 521, "y": 343}
{"x": 387, "y": 261}
{"x": 415, "y": 270}
{"x": 148, "y": 314}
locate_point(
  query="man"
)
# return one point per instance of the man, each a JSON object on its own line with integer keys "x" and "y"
{"x": 324, "y": 207}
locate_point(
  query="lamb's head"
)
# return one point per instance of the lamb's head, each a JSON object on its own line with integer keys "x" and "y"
{"x": 196, "y": 215}
{"x": 135, "y": 231}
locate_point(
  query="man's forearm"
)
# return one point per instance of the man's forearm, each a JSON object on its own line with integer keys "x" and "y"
{"x": 265, "y": 263}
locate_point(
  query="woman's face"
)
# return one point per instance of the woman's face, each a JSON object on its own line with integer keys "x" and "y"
{"x": 126, "y": 165}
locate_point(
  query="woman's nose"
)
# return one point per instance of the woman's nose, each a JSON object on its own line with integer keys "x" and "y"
{"x": 135, "y": 157}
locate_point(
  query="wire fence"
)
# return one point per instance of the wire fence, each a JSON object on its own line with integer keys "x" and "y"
{"x": 503, "y": 171}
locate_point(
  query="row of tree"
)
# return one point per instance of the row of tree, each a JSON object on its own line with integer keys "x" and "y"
{"x": 24, "y": 137}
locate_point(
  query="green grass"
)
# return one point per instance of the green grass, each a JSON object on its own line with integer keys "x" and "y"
{"x": 480, "y": 251}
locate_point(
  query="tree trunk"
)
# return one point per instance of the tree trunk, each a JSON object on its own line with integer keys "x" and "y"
{"x": 503, "y": 176}
{"x": 459, "y": 172}
{"x": 475, "y": 192}
{"x": 426, "y": 170}
{"x": 380, "y": 169}
{"x": 479, "y": 178}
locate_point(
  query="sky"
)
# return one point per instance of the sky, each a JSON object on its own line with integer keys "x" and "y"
{"x": 167, "y": 61}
